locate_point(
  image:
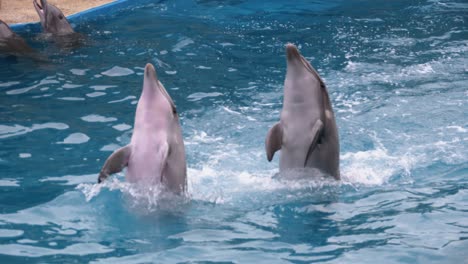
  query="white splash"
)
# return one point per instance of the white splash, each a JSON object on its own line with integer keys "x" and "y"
{"x": 98, "y": 118}
{"x": 142, "y": 199}
{"x": 200, "y": 95}
{"x": 25, "y": 155}
{"x": 15, "y": 130}
{"x": 118, "y": 71}
{"x": 182, "y": 43}
{"x": 79, "y": 72}
{"x": 373, "y": 167}
{"x": 75, "y": 138}
{"x": 122, "y": 127}
{"x": 95, "y": 94}
{"x": 9, "y": 183}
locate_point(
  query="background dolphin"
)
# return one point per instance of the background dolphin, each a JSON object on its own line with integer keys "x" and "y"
{"x": 306, "y": 134}
{"x": 52, "y": 19}
{"x": 156, "y": 153}
{"x": 11, "y": 43}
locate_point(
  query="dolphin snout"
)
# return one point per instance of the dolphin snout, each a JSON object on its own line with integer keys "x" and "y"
{"x": 39, "y": 7}
{"x": 150, "y": 72}
{"x": 149, "y": 67}
{"x": 41, "y": 10}
{"x": 292, "y": 52}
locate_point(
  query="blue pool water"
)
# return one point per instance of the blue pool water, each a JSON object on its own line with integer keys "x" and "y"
{"x": 397, "y": 74}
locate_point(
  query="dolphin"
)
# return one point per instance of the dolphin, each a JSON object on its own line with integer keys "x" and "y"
{"x": 52, "y": 19}
{"x": 11, "y": 43}
{"x": 306, "y": 133}
{"x": 156, "y": 153}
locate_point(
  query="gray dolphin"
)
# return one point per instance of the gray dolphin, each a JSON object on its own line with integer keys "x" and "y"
{"x": 11, "y": 43}
{"x": 156, "y": 153}
{"x": 52, "y": 19}
{"x": 306, "y": 133}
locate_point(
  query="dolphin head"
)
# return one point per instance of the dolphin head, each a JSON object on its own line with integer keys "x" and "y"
{"x": 302, "y": 83}
{"x": 5, "y": 31}
{"x": 155, "y": 105}
{"x": 296, "y": 62}
{"x": 11, "y": 43}
{"x": 52, "y": 19}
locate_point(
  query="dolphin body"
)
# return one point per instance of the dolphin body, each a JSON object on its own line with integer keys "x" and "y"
{"x": 156, "y": 153}
{"x": 11, "y": 43}
{"x": 306, "y": 133}
{"x": 57, "y": 28}
{"x": 52, "y": 19}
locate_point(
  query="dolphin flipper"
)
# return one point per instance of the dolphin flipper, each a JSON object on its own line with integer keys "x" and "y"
{"x": 161, "y": 157}
{"x": 115, "y": 163}
{"x": 274, "y": 140}
{"x": 316, "y": 133}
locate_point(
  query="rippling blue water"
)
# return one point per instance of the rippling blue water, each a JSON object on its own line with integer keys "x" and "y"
{"x": 397, "y": 75}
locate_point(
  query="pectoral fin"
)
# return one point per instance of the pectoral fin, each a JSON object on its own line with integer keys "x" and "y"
{"x": 115, "y": 163}
{"x": 274, "y": 140}
{"x": 315, "y": 135}
{"x": 161, "y": 157}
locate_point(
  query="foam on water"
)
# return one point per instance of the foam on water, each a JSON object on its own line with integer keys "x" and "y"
{"x": 217, "y": 182}
{"x": 9, "y": 183}
{"x": 117, "y": 71}
{"x": 75, "y": 138}
{"x": 98, "y": 118}
{"x": 16, "y": 130}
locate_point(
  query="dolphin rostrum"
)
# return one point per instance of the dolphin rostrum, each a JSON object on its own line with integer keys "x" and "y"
{"x": 156, "y": 153}
{"x": 52, "y": 19}
{"x": 306, "y": 133}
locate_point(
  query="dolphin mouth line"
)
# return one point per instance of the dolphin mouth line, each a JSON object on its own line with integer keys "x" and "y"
{"x": 39, "y": 7}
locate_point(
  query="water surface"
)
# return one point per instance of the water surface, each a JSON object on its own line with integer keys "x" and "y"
{"x": 397, "y": 77}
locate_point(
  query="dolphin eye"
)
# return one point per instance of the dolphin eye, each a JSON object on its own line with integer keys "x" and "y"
{"x": 60, "y": 16}
{"x": 174, "y": 111}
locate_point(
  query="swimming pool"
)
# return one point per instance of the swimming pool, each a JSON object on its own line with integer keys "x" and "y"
{"x": 397, "y": 77}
